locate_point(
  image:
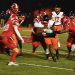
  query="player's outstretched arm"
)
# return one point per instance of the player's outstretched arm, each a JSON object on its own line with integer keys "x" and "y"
{"x": 17, "y": 32}
{"x": 65, "y": 30}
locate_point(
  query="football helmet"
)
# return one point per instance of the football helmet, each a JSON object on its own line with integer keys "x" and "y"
{"x": 15, "y": 8}
{"x": 72, "y": 14}
{"x": 42, "y": 14}
{"x": 45, "y": 20}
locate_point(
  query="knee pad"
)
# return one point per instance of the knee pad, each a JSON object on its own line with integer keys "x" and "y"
{"x": 35, "y": 44}
{"x": 69, "y": 44}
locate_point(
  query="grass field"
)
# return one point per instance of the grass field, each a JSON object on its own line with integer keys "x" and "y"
{"x": 30, "y": 64}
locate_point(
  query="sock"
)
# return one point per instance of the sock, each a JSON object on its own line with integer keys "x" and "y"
{"x": 34, "y": 49}
{"x": 69, "y": 49}
{"x": 58, "y": 44}
{"x": 20, "y": 44}
{"x": 13, "y": 56}
{"x": 57, "y": 51}
{"x": 46, "y": 50}
{"x": 53, "y": 57}
{"x": 47, "y": 55}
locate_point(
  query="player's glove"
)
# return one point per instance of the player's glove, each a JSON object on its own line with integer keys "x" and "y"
{"x": 44, "y": 34}
{"x": 49, "y": 31}
{"x": 22, "y": 40}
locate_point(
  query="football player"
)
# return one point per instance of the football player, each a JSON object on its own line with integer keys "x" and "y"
{"x": 9, "y": 13}
{"x": 36, "y": 39}
{"x": 49, "y": 38}
{"x": 56, "y": 16}
{"x": 69, "y": 26}
{"x": 11, "y": 27}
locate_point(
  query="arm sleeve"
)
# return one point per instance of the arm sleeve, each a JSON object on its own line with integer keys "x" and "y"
{"x": 51, "y": 24}
{"x": 17, "y": 32}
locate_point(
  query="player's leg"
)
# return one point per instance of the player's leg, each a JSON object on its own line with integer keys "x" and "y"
{"x": 20, "y": 43}
{"x": 35, "y": 42}
{"x": 2, "y": 47}
{"x": 48, "y": 42}
{"x": 57, "y": 35}
{"x": 69, "y": 44}
{"x": 54, "y": 43}
{"x": 44, "y": 45}
{"x": 9, "y": 43}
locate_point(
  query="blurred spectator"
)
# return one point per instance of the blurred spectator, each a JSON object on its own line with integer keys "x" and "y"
{"x": 30, "y": 19}
{"x": 25, "y": 21}
{"x": 2, "y": 19}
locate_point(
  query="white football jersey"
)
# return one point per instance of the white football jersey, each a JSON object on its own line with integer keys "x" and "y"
{"x": 57, "y": 17}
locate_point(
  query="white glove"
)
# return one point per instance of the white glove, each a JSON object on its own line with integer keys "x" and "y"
{"x": 22, "y": 40}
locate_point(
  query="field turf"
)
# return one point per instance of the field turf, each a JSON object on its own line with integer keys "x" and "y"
{"x": 30, "y": 64}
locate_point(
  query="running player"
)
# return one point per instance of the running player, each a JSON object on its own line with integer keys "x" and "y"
{"x": 49, "y": 38}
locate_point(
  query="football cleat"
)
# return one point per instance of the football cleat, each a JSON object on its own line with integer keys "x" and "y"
{"x": 49, "y": 58}
{"x": 54, "y": 59}
{"x": 34, "y": 53}
{"x": 11, "y": 63}
{"x": 57, "y": 56}
{"x": 68, "y": 54}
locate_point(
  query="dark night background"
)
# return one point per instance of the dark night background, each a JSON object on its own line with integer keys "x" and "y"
{"x": 30, "y": 5}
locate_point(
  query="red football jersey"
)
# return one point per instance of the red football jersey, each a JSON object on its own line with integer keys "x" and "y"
{"x": 65, "y": 22}
{"x": 68, "y": 23}
{"x": 72, "y": 26}
{"x": 8, "y": 28}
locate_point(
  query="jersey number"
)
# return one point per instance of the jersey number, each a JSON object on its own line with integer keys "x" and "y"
{"x": 6, "y": 27}
{"x": 56, "y": 19}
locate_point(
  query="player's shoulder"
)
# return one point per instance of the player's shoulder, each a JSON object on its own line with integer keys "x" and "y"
{"x": 38, "y": 24}
{"x": 37, "y": 20}
{"x": 61, "y": 13}
{"x": 53, "y": 12}
{"x": 65, "y": 19}
{"x": 9, "y": 12}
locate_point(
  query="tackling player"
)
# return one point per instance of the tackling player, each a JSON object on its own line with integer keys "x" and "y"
{"x": 56, "y": 16}
{"x": 36, "y": 38}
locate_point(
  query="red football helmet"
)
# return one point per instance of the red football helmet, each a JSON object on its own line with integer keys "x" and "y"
{"x": 42, "y": 14}
{"x": 15, "y": 8}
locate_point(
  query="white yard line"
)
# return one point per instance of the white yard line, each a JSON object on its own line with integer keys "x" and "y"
{"x": 46, "y": 66}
